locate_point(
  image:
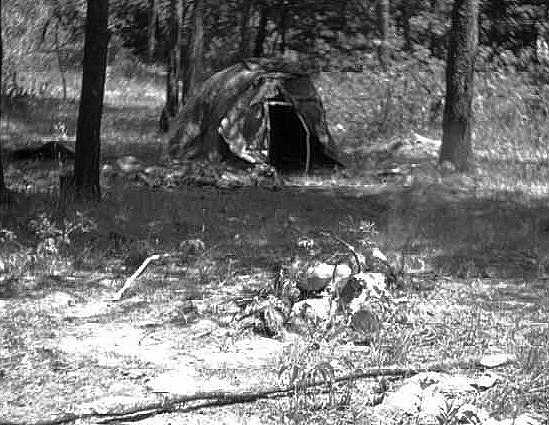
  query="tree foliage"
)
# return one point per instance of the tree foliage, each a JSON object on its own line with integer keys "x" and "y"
{"x": 331, "y": 33}
{"x": 48, "y": 35}
{"x": 335, "y": 34}
{"x": 2, "y": 185}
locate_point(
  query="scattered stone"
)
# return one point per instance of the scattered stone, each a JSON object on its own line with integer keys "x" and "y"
{"x": 59, "y": 300}
{"x": 486, "y": 380}
{"x": 129, "y": 164}
{"x": 192, "y": 247}
{"x": 149, "y": 180}
{"x": 406, "y": 401}
{"x": 314, "y": 310}
{"x": 108, "y": 170}
{"x": 431, "y": 398}
{"x": 230, "y": 180}
{"x": 524, "y": 419}
{"x": 471, "y": 414}
{"x": 317, "y": 276}
{"x": 362, "y": 288}
{"x": 109, "y": 404}
{"x": 376, "y": 253}
{"x": 108, "y": 174}
{"x": 453, "y": 387}
{"x": 366, "y": 322}
{"x": 496, "y": 360}
{"x": 174, "y": 381}
{"x": 447, "y": 168}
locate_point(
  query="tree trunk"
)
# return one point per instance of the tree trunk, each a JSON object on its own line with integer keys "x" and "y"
{"x": 2, "y": 185}
{"x": 261, "y": 31}
{"x": 60, "y": 62}
{"x": 433, "y": 36}
{"x": 195, "y": 72}
{"x": 282, "y": 27}
{"x": 172, "y": 72}
{"x": 383, "y": 27}
{"x": 186, "y": 37}
{"x": 86, "y": 165}
{"x": 245, "y": 29}
{"x": 407, "y": 8}
{"x": 151, "y": 36}
{"x": 457, "y": 120}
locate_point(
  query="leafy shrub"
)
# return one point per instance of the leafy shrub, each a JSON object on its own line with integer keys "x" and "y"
{"x": 55, "y": 239}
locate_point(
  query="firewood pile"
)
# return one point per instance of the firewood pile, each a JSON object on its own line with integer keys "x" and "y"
{"x": 345, "y": 297}
{"x": 195, "y": 173}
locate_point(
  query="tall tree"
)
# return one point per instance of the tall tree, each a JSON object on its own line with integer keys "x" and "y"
{"x": 96, "y": 40}
{"x": 2, "y": 185}
{"x": 433, "y": 36}
{"x": 261, "y": 31}
{"x": 383, "y": 28}
{"x": 283, "y": 26}
{"x": 151, "y": 36}
{"x": 245, "y": 28}
{"x": 194, "y": 72}
{"x": 407, "y": 9}
{"x": 174, "y": 58}
{"x": 456, "y": 137}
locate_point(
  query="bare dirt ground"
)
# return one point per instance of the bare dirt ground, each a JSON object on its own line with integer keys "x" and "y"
{"x": 67, "y": 347}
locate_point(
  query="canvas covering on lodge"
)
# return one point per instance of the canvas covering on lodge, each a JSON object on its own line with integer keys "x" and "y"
{"x": 259, "y": 112}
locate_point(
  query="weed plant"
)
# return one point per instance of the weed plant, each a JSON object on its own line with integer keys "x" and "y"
{"x": 503, "y": 226}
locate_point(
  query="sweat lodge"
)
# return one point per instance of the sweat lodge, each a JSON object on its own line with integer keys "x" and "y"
{"x": 256, "y": 112}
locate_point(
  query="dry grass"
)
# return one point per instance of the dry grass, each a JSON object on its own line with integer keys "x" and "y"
{"x": 490, "y": 245}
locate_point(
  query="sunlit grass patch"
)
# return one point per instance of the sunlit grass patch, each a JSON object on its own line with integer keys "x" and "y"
{"x": 367, "y": 107}
{"x": 511, "y": 152}
{"x": 476, "y": 242}
{"x": 145, "y": 89}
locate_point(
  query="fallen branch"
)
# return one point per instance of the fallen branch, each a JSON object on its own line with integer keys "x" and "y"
{"x": 359, "y": 258}
{"x": 219, "y": 398}
{"x": 118, "y": 296}
{"x": 427, "y": 140}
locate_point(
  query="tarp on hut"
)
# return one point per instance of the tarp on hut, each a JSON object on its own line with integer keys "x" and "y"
{"x": 258, "y": 112}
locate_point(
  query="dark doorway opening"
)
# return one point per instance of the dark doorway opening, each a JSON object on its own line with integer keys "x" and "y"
{"x": 288, "y": 140}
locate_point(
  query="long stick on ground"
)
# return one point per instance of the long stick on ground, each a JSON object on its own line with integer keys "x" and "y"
{"x": 219, "y": 398}
{"x": 118, "y": 296}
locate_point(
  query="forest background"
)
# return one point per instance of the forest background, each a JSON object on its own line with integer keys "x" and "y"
{"x": 478, "y": 239}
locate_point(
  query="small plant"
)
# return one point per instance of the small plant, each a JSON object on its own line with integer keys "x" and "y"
{"x": 311, "y": 377}
{"x": 54, "y": 239}
{"x": 451, "y": 414}
{"x": 9, "y": 238}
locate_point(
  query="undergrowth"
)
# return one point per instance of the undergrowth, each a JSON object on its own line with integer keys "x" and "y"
{"x": 364, "y": 109}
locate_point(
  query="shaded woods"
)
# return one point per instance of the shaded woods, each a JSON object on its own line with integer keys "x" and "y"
{"x": 190, "y": 286}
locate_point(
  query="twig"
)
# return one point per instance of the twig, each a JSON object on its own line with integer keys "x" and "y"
{"x": 358, "y": 257}
{"x": 422, "y": 139}
{"x": 219, "y": 398}
{"x": 118, "y": 296}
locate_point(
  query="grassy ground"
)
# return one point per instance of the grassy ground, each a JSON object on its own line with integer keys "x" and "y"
{"x": 476, "y": 247}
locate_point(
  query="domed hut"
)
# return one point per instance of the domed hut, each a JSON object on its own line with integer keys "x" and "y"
{"x": 254, "y": 112}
